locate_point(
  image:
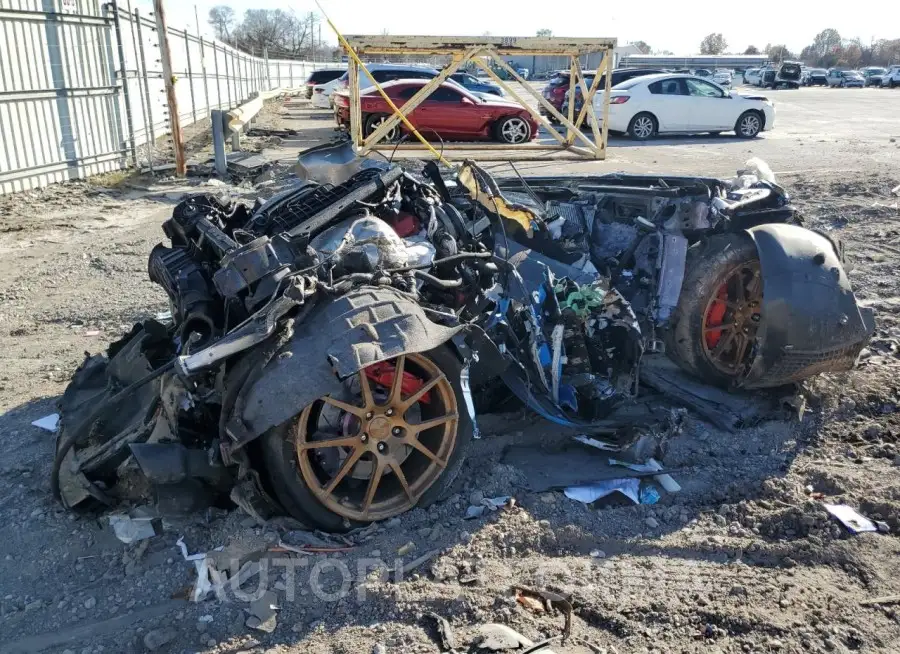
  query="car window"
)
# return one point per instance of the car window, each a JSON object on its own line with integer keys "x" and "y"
{"x": 665, "y": 87}
{"x": 444, "y": 94}
{"x": 697, "y": 87}
{"x": 408, "y": 92}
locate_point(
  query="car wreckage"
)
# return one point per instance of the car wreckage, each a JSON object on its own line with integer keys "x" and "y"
{"x": 328, "y": 349}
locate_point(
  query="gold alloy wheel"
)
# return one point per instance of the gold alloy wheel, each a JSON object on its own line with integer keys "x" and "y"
{"x": 731, "y": 318}
{"x": 400, "y": 459}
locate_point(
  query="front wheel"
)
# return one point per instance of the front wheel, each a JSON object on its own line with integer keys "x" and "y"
{"x": 643, "y": 127}
{"x": 513, "y": 130}
{"x": 394, "y": 439}
{"x": 712, "y": 333}
{"x": 748, "y": 125}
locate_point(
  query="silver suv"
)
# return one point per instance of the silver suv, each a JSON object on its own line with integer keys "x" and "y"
{"x": 892, "y": 77}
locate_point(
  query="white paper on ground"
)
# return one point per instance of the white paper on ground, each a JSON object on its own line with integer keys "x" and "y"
{"x": 592, "y": 492}
{"x": 851, "y": 518}
{"x": 49, "y": 423}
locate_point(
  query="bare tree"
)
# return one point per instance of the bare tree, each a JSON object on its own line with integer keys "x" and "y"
{"x": 221, "y": 18}
{"x": 779, "y": 52}
{"x": 713, "y": 44}
{"x": 545, "y": 33}
{"x": 827, "y": 42}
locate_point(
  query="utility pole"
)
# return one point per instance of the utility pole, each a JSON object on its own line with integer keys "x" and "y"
{"x": 165, "y": 56}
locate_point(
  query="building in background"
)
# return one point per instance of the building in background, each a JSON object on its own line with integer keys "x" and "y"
{"x": 734, "y": 62}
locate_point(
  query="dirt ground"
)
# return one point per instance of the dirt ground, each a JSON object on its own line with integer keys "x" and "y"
{"x": 744, "y": 559}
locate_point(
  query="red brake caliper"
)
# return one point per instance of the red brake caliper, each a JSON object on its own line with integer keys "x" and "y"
{"x": 715, "y": 315}
{"x": 383, "y": 375}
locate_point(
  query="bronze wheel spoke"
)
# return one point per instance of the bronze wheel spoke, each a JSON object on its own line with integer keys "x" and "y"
{"x": 398, "y": 470}
{"x": 374, "y": 482}
{"x": 419, "y": 445}
{"x": 753, "y": 288}
{"x": 366, "y": 390}
{"x": 722, "y": 344}
{"x": 349, "y": 408}
{"x": 372, "y": 439}
{"x": 343, "y": 441}
{"x": 348, "y": 464}
{"x": 397, "y": 385}
{"x": 715, "y": 328}
{"x": 419, "y": 394}
{"x": 434, "y": 422}
{"x": 741, "y": 348}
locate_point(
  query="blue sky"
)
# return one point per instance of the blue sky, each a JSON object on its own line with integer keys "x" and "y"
{"x": 675, "y": 26}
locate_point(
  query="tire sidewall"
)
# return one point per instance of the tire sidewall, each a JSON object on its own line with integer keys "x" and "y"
{"x": 740, "y": 119}
{"x": 634, "y": 120}
{"x": 708, "y": 264}
{"x": 280, "y": 458}
{"x": 372, "y": 118}
{"x": 498, "y": 130}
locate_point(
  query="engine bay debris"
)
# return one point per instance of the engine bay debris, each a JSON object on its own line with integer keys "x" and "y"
{"x": 328, "y": 350}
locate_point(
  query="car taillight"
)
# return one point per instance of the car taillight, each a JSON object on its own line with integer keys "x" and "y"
{"x": 619, "y": 99}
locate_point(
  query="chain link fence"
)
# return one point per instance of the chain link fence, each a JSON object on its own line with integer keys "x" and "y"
{"x": 82, "y": 89}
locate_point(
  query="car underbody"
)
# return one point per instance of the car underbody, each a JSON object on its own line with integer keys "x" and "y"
{"x": 328, "y": 351}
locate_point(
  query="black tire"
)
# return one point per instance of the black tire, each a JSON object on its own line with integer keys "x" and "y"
{"x": 280, "y": 459}
{"x": 893, "y": 84}
{"x": 372, "y": 121}
{"x": 709, "y": 263}
{"x": 643, "y": 126}
{"x": 512, "y": 130}
{"x": 749, "y": 124}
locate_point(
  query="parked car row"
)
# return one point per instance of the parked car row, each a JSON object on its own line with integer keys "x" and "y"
{"x": 833, "y": 77}
{"x": 643, "y": 103}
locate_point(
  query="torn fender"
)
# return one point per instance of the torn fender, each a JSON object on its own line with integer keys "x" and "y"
{"x": 368, "y": 325}
{"x": 811, "y": 322}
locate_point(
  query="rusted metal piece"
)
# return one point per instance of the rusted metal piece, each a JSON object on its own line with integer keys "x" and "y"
{"x": 165, "y": 56}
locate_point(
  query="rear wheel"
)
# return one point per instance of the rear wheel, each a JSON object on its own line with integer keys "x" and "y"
{"x": 374, "y": 121}
{"x": 714, "y": 328}
{"x": 643, "y": 126}
{"x": 394, "y": 439}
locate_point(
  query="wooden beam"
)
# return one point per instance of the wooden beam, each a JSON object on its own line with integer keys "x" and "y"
{"x": 549, "y": 107}
{"x": 534, "y": 113}
{"x": 410, "y": 105}
{"x": 169, "y": 80}
{"x": 505, "y": 45}
{"x": 588, "y": 103}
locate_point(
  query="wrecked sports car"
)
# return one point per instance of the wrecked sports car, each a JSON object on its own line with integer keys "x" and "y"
{"x": 328, "y": 350}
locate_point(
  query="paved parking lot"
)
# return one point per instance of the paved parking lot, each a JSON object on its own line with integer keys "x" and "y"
{"x": 816, "y": 129}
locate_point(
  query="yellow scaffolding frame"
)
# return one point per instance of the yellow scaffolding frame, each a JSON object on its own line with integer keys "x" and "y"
{"x": 462, "y": 49}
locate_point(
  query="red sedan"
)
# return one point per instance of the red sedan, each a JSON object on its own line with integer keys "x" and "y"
{"x": 450, "y": 112}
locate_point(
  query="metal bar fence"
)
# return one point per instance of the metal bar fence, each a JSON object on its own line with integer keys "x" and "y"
{"x": 82, "y": 92}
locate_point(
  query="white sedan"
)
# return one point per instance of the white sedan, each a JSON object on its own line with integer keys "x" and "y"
{"x": 321, "y": 96}
{"x": 654, "y": 104}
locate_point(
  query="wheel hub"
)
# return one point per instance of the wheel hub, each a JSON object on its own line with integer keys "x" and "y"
{"x": 388, "y": 460}
{"x": 732, "y": 318}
